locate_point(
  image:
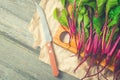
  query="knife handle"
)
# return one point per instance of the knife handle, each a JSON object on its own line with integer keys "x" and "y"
{"x": 52, "y": 59}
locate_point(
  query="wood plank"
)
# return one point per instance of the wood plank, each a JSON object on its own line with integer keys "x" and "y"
{"x": 21, "y": 8}
{"x": 14, "y": 18}
{"x": 18, "y": 60}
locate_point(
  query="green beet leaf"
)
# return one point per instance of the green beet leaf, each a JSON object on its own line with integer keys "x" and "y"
{"x": 86, "y": 33}
{"x": 86, "y": 20}
{"x": 114, "y": 15}
{"x": 101, "y": 6}
{"x": 91, "y": 4}
{"x": 55, "y": 13}
{"x": 71, "y": 1}
{"x": 110, "y": 4}
{"x": 108, "y": 35}
{"x": 97, "y": 24}
{"x": 82, "y": 10}
{"x": 80, "y": 17}
{"x": 63, "y": 18}
{"x": 63, "y": 2}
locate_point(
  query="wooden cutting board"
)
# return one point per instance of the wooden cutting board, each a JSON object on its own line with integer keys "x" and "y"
{"x": 70, "y": 46}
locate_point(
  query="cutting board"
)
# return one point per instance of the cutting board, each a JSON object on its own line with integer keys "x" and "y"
{"x": 60, "y": 33}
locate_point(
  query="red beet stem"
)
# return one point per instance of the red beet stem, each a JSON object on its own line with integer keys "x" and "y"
{"x": 114, "y": 46}
{"x": 110, "y": 40}
{"x": 83, "y": 34}
{"x": 118, "y": 55}
{"x": 95, "y": 44}
{"x": 103, "y": 37}
{"x": 91, "y": 64}
{"x": 116, "y": 75}
{"x": 97, "y": 72}
{"x": 83, "y": 60}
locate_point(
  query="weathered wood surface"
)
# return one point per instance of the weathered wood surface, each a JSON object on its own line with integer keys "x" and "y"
{"x": 18, "y": 60}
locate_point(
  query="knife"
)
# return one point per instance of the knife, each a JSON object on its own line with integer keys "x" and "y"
{"x": 48, "y": 39}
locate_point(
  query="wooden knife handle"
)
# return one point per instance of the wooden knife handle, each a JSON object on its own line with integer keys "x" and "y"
{"x": 52, "y": 59}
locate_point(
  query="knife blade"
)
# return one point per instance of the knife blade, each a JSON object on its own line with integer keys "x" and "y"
{"x": 48, "y": 39}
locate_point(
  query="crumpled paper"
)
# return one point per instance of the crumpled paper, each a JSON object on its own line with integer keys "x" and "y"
{"x": 66, "y": 63}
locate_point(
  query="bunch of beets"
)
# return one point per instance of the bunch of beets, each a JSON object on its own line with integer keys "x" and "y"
{"x": 95, "y": 26}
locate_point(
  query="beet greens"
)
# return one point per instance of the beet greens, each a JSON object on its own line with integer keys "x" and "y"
{"x": 95, "y": 27}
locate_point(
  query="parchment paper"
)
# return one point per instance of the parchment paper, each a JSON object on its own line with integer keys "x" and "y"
{"x": 66, "y": 63}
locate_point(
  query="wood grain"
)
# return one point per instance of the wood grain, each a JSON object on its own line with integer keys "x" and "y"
{"x": 18, "y": 60}
{"x": 52, "y": 58}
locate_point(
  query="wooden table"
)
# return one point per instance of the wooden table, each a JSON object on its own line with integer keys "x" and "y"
{"x": 18, "y": 60}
